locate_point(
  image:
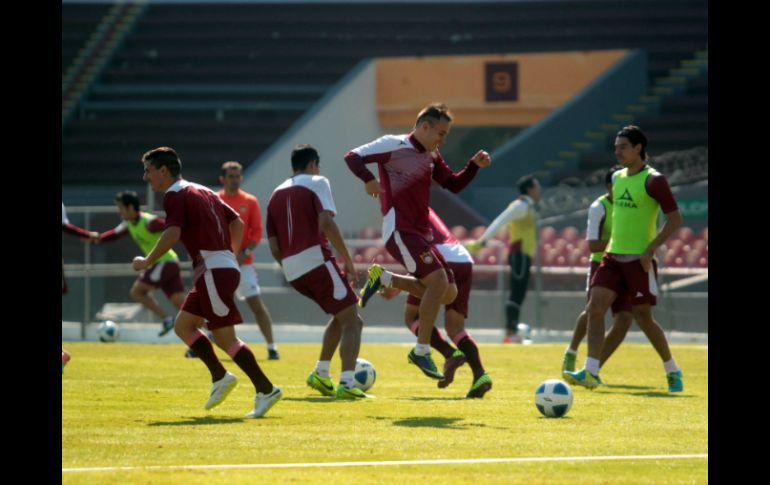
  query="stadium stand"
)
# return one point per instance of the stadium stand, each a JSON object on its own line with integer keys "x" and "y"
{"x": 224, "y": 82}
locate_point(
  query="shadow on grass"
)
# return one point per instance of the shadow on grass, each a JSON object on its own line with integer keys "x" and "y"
{"x": 662, "y": 394}
{"x": 324, "y": 399}
{"x": 425, "y": 398}
{"x": 626, "y": 386}
{"x": 198, "y": 420}
{"x": 432, "y": 422}
{"x": 620, "y": 390}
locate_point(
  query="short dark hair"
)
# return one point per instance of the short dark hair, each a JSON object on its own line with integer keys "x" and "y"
{"x": 128, "y": 198}
{"x": 433, "y": 113}
{"x": 231, "y": 166}
{"x": 302, "y": 155}
{"x": 608, "y": 175}
{"x": 525, "y": 183}
{"x": 164, "y": 157}
{"x": 636, "y": 136}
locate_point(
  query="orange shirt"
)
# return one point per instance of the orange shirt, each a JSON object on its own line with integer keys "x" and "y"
{"x": 247, "y": 206}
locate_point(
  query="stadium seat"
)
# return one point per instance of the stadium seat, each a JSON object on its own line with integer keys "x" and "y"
{"x": 570, "y": 233}
{"x": 459, "y": 232}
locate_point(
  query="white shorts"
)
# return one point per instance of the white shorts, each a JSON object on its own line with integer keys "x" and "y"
{"x": 249, "y": 285}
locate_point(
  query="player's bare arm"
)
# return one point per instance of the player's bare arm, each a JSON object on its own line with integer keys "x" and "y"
{"x": 167, "y": 240}
{"x": 327, "y": 225}
{"x": 673, "y": 221}
{"x": 275, "y": 250}
{"x": 236, "y": 234}
{"x": 597, "y": 245}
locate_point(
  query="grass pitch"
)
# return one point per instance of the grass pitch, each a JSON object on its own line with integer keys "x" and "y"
{"x": 141, "y": 405}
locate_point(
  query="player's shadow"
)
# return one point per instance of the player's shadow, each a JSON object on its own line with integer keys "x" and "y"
{"x": 324, "y": 399}
{"x": 426, "y": 398}
{"x": 626, "y": 386}
{"x": 668, "y": 395}
{"x": 198, "y": 420}
{"x": 431, "y": 422}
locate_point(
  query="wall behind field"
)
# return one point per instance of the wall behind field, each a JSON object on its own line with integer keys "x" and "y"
{"x": 343, "y": 119}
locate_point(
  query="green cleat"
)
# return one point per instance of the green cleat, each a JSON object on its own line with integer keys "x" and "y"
{"x": 426, "y": 365}
{"x": 675, "y": 381}
{"x": 350, "y": 393}
{"x": 583, "y": 378}
{"x": 323, "y": 385}
{"x": 480, "y": 387}
{"x": 568, "y": 364}
{"x": 372, "y": 286}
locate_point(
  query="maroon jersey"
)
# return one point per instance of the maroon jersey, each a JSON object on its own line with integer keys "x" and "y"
{"x": 406, "y": 170}
{"x": 292, "y": 218}
{"x": 205, "y": 222}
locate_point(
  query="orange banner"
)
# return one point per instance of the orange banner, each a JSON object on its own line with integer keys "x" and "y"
{"x": 489, "y": 90}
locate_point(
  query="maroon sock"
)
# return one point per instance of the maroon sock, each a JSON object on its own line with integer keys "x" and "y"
{"x": 244, "y": 357}
{"x": 437, "y": 341}
{"x": 203, "y": 349}
{"x": 465, "y": 342}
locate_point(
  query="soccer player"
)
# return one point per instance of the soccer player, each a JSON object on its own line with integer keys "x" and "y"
{"x": 407, "y": 166}
{"x": 598, "y": 235}
{"x": 84, "y": 235}
{"x": 300, "y": 225}
{"x": 145, "y": 229}
{"x": 247, "y": 206}
{"x": 211, "y": 232}
{"x": 455, "y": 313}
{"x": 521, "y": 218}
{"x": 639, "y": 193}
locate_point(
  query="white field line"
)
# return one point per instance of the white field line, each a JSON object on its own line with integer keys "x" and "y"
{"x": 391, "y": 463}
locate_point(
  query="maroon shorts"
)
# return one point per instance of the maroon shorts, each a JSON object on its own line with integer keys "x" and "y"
{"x": 213, "y": 297}
{"x": 463, "y": 273}
{"x": 326, "y": 286}
{"x": 628, "y": 278}
{"x": 164, "y": 275}
{"x": 621, "y": 304}
{"x": 418, "y": 256}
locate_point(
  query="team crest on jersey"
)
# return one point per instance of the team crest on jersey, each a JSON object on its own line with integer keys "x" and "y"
{"x": 244, "y": 208}
{"x": 626, "y": 200}
{"x": 426, "y": 257}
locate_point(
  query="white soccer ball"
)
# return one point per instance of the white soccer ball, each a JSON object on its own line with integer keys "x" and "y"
{"x": 108, "y": 331}
{"x": 553, "y": 398}
{"x": 524, "y": 330}
{"x": 364, "y": 375}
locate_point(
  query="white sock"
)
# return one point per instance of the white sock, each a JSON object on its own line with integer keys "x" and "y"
{"x": 272, "y": 346}
{"x": 386, "y": 278}
{"x": 570, "y": 351}
{"x": 346, "y": 378}
{"x": 592, "y": 365}
{"x": 422, "y": 349}
{"x": 322, "y": 367}
{"x": 670, "y": 366}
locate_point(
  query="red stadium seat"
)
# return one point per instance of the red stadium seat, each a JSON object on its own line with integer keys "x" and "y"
{"x": 685, "y": 234}
{"x": 477, "y": 231}
{"x": 459, "y": 232}
{"x": 570, "y": 233}
{"x": 547, "y": 234}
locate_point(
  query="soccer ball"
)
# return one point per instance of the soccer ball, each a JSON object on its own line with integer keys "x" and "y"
{"x": 525, "y": 331}
{"x": 364, "y": 375}
{"x": 553, "y": 398}
{"x": 108, "y": 331}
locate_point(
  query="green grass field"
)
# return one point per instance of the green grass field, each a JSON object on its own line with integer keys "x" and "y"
{"x": 140, "y": 405}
